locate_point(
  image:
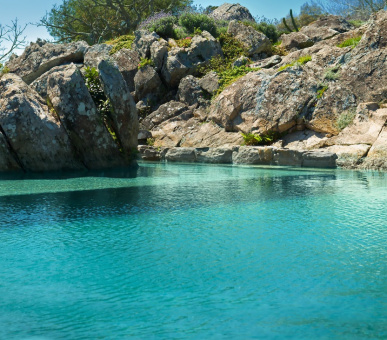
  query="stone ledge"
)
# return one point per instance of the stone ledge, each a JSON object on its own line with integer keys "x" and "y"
{"x": 259, "y": 155}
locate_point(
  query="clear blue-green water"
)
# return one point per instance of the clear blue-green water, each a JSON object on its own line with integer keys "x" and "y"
{"x": 195, "y": 252}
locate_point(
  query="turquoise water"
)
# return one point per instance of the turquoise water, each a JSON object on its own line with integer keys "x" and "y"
{"x": 195, "y": 252}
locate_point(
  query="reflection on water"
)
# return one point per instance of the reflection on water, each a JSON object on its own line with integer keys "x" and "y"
{"x": 193, "y": 251}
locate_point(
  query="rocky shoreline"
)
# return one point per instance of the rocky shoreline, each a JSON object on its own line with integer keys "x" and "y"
{"x": 74, "y": 106}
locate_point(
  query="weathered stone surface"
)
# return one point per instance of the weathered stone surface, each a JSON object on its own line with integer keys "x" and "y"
{"x": 232, "y": 12}
{"x": 77, "y": 112}
{"x": 296, "y": 40}
{"x": 253, "y": 155}
{"x": 181, "y": 155}
{"x": 41, "y": 56}
{"x": 286, "y": 157}
{"x": 349, "y": 156}
{"x": 148, "y": 153}
{"x": 267, "y": 63}
{"x": 189, "y": 91}
{"x": 163, "y": 113}
{"x": 304, "y": 140}
{"x": 214, "y": 155}
{"x": 147, "y": 81}
{"x": 7, "y": 159}
{"x": 158, "y": 51}
{"x": 319, "y": 159}
{"x": 240, "y": 61}
{"x": 124, "y": 118}
{"x": 143, "y": 41}
{"x": 181, "y": 62}
{"x": 236, "y": 102}
{"x": 365, "y": 128}
{"x": 326, "y": 27}
{"x": 254, "y": 41}
{"x": 377, "y": 155}
{"x": 127, "y": 62}
{"x": 96, "y": 53}
{"x": 210, "y": 82}
{"x": 33, "y": 132}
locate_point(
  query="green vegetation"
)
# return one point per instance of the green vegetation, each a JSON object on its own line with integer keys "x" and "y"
{"x": 300, "y": 61}
{"x": 144, "y": 62}
{"x": 356, "y": 23}
{"x": 321, "y": 91}
{"x": 256, "y": 139}
{"x": 98, "y": 21}
{"x": 150, "y": 141}
{"x": 163, "y": 26}
{"x": 345, "y": 119}
{"x": 350, "y": 42}
{"x": 193, "y": 21}
{"x": 229, "y": 76}
{"x": 186, "y": 42}
{"x": 293, "y": 22}
{"x": 124, "y": 41}
{"x": 3, "y": 69}
{"x": 332, "y": 73}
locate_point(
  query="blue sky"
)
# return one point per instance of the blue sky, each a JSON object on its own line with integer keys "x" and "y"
{"x": 32, "y": 10}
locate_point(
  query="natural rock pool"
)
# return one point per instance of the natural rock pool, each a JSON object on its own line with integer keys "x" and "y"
{"x": 195, "y": 252}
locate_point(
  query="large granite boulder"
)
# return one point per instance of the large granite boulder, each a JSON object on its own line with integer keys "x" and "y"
{"x": 8, "y": 160}
{"x": 326, "y": 28}
{"x": 143, "y": 41}
{"x": 83, "y": 123}
{"x": 232, "y": 12}
{"x": 296, "y": 40}
{"x": 181, "y": 62}
{"x": 33, "y": 132}
{"x": 210, "y": 82}
{"x": 96, "y": 53}
{"x": 41, "y": 56}
{"x": 254, "y": 42}
{"x": 147, "y": 81}
{"x": 158, "y": 51}
{"x": 189, "y": 91}
{"x": 124, "y": 118}
{"x": 127, "y": 62}
{"x": 163, "y": 113}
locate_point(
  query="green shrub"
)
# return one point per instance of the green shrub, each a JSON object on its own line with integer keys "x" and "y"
{"x": 350, "y": 42}
{"x": 124, "y": 41}
{"x": 192, "y": 21}
{"x": 264, "y": 139}
{"x": 332, "y": 73}
{"x": 267, "y": 29}
{"x": 144, "y": 62}
{"x": 345, "y": 119}
{"x": 163, "y": 27}
{"x": 150, "y": 141}
{"x": 356, "y": 23}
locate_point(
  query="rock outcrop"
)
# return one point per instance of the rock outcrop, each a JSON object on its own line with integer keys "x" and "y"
{"x": 232, "y": 12}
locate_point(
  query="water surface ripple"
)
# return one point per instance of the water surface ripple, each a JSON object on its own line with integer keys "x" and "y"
{"x": 194, "y": 252}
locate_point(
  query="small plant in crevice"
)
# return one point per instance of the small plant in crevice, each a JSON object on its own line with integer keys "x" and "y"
{"x": 184, "y": 43}
{"x": 229, "y": 76}
{"x": 144, "y": 62}
{"x": 345, "y": 118}
{"x": 150, "y": 141}
{"x": 332, "y": 73}
{"x": 321, "y": 90}
{"x": 103, "y": 104}
{"x": 352, "y": 42}
{"x": 253, "y": 139}
{"x": 300, "y": 61}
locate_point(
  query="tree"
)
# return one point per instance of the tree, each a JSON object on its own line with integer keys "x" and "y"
{"x": 11, "y": 38}
{"x": 353, "y": 9}
{"x": 99, "y": 20}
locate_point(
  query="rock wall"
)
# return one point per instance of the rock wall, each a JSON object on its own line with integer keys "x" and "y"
{"x": 50, "y": 119}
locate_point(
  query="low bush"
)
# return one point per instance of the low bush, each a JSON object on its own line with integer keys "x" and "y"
{"x": 345, "y": 119}
{"x": 162, "y": 23}
{"x": 191, "y": 21}
{"x": 321, "y": 91}
{"x": 229, "y": 76}
{"x": 356, "y": 23}
{"x": 124, "y": 41}
{"x": 350, "y": 42}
